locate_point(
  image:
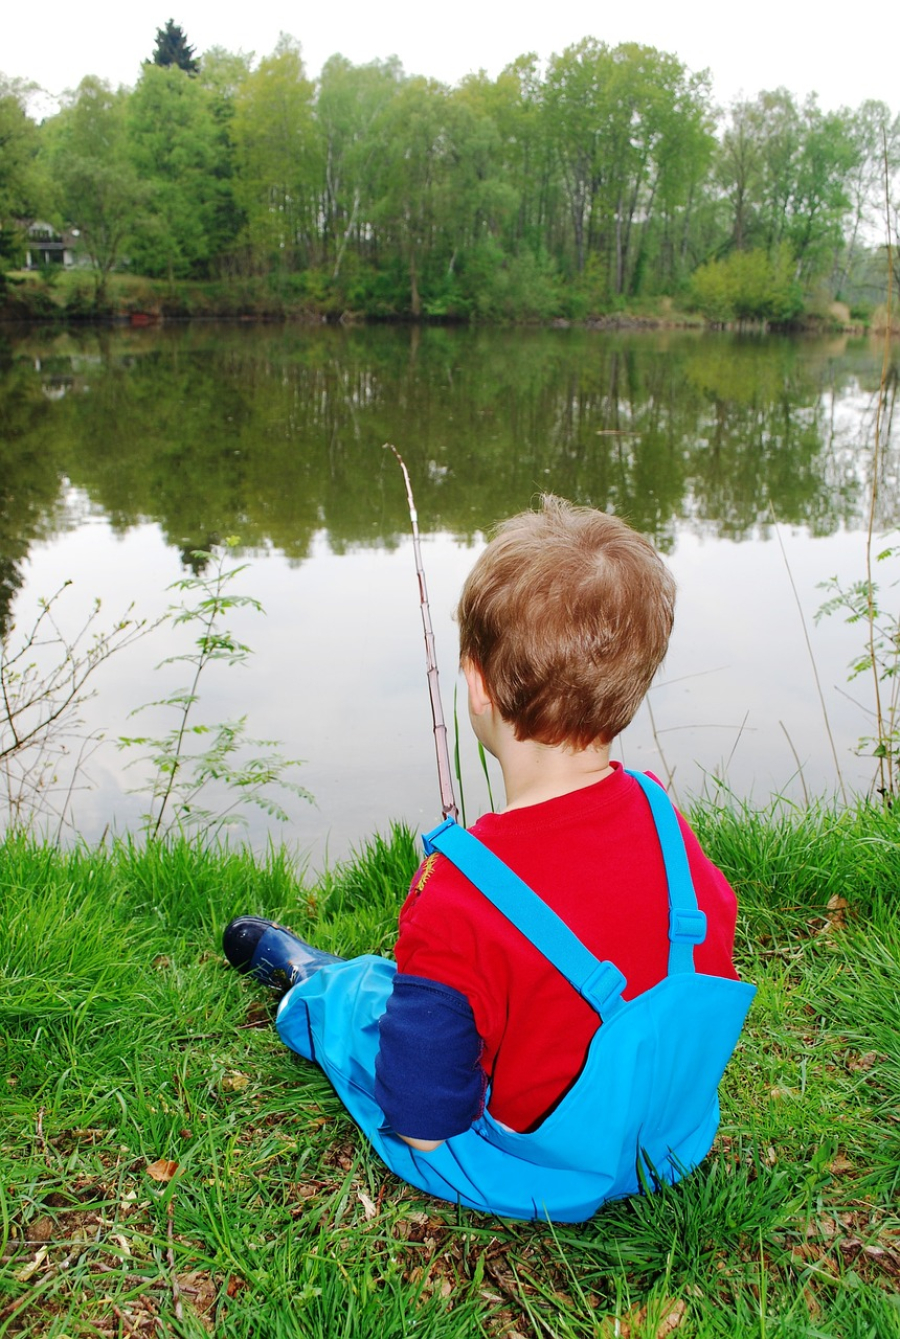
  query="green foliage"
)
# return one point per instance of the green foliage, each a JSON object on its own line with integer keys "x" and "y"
{"x": 748, "y": 286}
{"x": 45, "y": 676}
{"x": 21, "y": 181}
{"x": 100, "y": 190}
{"x": 565, "y": 192}
{"x": 862, "y": 603}
{"x": 172, "y": 49}
{"x": 180, "y": 778}
{"x": 276, "y": 158}
{"x": 495, "y": 287}
{"x": 180, "y": 154}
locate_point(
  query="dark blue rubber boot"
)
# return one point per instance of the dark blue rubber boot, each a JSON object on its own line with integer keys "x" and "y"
{"x": 273, "y": 955}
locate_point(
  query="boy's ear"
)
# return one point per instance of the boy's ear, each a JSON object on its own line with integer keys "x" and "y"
{"x": 479, "y": 698}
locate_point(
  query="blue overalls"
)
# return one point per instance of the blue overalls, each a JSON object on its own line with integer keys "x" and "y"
{"x": 644, "y": 1108}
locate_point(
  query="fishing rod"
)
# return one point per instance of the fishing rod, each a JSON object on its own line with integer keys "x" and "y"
{"x": 441, "y": 747}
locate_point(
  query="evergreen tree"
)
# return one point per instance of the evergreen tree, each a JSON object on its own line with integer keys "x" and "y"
{"x": 172, "y": 48}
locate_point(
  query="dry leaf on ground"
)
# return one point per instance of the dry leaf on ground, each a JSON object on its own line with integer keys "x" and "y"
{"x": 162, "y": 1170}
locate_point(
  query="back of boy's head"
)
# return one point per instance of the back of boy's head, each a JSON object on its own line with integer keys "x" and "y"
{"x": 567, "y": 614}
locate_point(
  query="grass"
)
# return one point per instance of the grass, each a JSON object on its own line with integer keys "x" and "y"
{"x": 70, "y": 296}
{"x": 130, "y": 1052}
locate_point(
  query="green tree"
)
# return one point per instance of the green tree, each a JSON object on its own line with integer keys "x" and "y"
{"x": 631, "y": 131}
{"x": 349, "y": 102}
{"x": 574, "y": 111}
{"x": 662, "y": 132}
{"x": 820, "y": 203}
{"x": 102, "y": 196}
{"x": 481, "y": 201}
{"x": 172, "y": 49}
{"x": 177, "y": 148}
{"x": 875, "y": 134}
{"x": 21, "y": 190}
{"x": 516, "y": 104}
{"x": 277, "y": 153}
{"x": 412, "y": 161}
{"x": 223, "y": 74}
{"x": 738, "y": 171}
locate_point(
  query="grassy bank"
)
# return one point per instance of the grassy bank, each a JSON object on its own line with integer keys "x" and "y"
{"x": 128, "y": 1047}
{"x": 68, "y": 297}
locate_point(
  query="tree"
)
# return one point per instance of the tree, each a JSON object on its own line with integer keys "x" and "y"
{"x": 630, "y": 129}
{"x": 874, "y": 133}
{"x": 349, "y": 102}
{"x": 172, "y": 49}
{"x": 662, "y": 131}
{"x": 20, "y": 187}
{"x": 177, "y": 148}
{"x": 517, "y": 108}
{"x": 738, "y": 171}
{"x": 278, "y": 170}
{"x": 222, "y": 74}
{"x": 481, "y": 200}
{"x": 820, "y": 201}
{"x": 102, "y": 196}
{"x": 574, "y": 113}
{"x": 412, "y": 163}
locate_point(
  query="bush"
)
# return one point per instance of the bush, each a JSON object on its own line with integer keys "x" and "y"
{"x": 748, "y": 286}
{"x": 492, "y": 285}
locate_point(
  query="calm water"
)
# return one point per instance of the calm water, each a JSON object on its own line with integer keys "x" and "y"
{"x": 746, "y": 461}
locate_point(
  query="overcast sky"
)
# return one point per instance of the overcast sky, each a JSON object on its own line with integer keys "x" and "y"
{"x": 844, "y": 56}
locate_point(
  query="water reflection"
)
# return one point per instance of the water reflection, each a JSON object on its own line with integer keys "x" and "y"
{"x": 275, "y": 434}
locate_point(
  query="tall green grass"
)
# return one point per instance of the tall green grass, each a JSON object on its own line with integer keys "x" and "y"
{"x": 126, "y": 1040}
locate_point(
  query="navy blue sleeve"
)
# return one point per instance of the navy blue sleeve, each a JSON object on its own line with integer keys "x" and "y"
{"x": 428, "y": 1080}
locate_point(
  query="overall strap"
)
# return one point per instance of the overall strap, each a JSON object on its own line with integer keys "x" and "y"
{"x": 600, "y": 983}
{"x": 687, "y": 924}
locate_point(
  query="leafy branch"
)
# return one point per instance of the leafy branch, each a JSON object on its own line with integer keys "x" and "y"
{"x": 859, "y": 601}
{"x": 44, "y": 681}
{"x": 180, "y": 775}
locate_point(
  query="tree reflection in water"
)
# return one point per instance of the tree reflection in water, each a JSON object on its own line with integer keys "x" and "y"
{"x": 275, "y": 434}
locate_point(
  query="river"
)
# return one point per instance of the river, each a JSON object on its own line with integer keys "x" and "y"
{"x": 748, "y": 461}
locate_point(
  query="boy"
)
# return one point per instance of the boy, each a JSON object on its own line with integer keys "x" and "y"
{"x": 484, "y": 1068}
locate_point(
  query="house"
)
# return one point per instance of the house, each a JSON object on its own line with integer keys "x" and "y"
{"x": 45, "y": 246}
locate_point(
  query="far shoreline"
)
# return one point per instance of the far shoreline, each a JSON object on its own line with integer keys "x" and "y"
{"x": 68, "y": 302}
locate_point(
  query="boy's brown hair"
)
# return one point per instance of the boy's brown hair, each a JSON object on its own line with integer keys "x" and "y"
{"x": 567, "y": 614}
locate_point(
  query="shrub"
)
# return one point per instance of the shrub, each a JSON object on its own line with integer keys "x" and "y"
{"x": 748, "y": 286}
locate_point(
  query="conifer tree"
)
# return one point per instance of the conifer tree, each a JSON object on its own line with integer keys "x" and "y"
{"x": 172, "y": 48}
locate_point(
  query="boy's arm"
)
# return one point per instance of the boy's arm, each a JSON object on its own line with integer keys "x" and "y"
{"x": 428, "y": 1079}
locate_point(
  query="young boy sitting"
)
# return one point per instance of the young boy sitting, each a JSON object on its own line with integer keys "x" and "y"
{"x": 521, "y": 1060}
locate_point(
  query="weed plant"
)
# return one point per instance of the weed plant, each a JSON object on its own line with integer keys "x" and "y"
{"x": 167, "y": 1167}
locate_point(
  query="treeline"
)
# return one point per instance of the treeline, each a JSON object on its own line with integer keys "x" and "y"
{"x": 583, "y": 187}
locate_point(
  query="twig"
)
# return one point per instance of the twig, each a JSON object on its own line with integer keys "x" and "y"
{"x": 798, "y": 762}
{"x": 885, "y": 754}
{"x": 812, "y": 658}
{"x": 670, "y": 773}
{"x": 441, "y": 747}
{"x": 124, "y": 1321}
{"x": 737, "y": 740}
{"x": 170, "y": 1256}
{"x": 42, "y": 1138}
{"x": 11, "y": 1307}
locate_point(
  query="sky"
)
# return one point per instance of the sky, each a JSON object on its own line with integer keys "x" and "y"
{"x": 746, "y": 48}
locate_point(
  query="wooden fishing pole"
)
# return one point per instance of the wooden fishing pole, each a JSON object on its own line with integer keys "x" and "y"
{"x": 441, "y": 748}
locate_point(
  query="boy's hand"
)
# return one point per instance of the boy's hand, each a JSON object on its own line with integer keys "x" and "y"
{"x": 424, "y": 1145}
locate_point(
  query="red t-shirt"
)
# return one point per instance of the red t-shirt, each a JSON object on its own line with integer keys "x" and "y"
{"x": 594, "y": 857}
